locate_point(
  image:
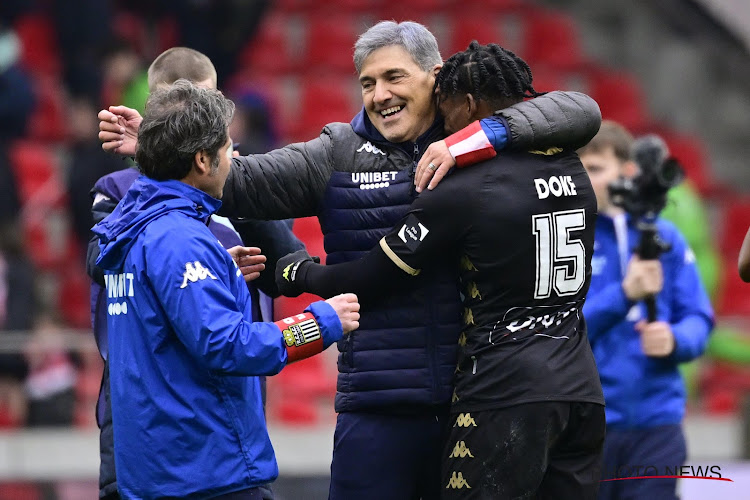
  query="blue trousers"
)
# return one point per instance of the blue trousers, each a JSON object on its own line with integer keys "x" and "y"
{"x": 625, "y": 451}
{"x": 394, "y": 457}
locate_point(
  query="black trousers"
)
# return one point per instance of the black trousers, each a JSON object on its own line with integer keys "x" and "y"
{"x": 548, "y": 450}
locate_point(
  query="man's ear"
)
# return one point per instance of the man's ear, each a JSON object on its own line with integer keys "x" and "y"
{"x": 471, "y": 106}
{"x": 202, "y": 162}
{"x": 436, "y": 69}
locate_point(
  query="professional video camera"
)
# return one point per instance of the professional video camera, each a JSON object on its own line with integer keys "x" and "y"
{"x": 645, "y": 196}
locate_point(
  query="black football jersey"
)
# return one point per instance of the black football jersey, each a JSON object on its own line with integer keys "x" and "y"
{"x": 521, "y": 228}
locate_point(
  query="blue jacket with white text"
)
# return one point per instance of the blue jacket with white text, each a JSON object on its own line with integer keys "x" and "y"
{"x": 642, "y": 391}
{"x": 186, "y": 400}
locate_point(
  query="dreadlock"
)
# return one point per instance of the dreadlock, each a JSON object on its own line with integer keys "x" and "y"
{"x": 487, "y": 72}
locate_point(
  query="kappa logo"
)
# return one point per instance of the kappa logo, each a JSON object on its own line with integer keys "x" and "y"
{"x": 473, "y": 291}
{"x": 462, "y": 339}
{"x": 468, "y": 317}
{"x": 457, "y": 481}
{"x": 194, "y": 271}
{"x": 461, "y": 451}
{"x": 370, "y": 148}
{"x": 466, "y": 264}
{"x": 465, "y": 420}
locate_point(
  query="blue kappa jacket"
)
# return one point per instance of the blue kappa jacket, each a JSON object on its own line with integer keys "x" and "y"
{"x": 642, "y": 391}
{"x": 186, "y": 406}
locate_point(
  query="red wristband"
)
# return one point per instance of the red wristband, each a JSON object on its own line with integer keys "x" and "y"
{"x": 302, "y": 336}
{"x": 470, "y": 145}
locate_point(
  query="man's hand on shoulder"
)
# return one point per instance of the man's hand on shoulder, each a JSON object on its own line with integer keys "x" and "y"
{"x": 290, "y": 272}
{"x": 118, "y": 129}
{"x": 435, "y": 164}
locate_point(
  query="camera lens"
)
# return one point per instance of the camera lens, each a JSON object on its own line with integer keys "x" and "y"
{"x": 670, "y": 174}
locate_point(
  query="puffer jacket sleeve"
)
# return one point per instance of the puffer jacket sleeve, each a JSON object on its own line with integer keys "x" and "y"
{"x": 282, "y": 184}
{"x": 567, "y": 120}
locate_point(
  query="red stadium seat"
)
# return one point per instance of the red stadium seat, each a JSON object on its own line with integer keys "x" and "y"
{"x": 39, "y": 53}
{"x": 47, "y": 122}
{"x": 735, "y": 222}
{"x": 270, "y": 51}
{"x": 486, "y": 7}
{"x": 16, "y": 490}
{"x": 725, "y": 387}
{"x": 465, "y": 29}
{"x": 36, "y": 169}
{"x": 734, "y": 294}
{"x": 412, "y": 10}
{"x": 73, "y": 294}
{"x": 132, "y": 28}
{"x": 551, "y": 38}
{"x": 330, "y": 43}
{"x": 324, "y": 99}
{"x": 620, "y": 97}
{"x": 43, "y": 197}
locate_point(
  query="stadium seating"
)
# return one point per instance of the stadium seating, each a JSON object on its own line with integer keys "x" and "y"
{"x": 465, "y": 29}
{"x": 620, "y": 97}
{"x": 270, "y": 51}
{"x": 324, "y": 99}
{"x": 48, "y": 122}
{"x": 329, "y": 44}
{"x": 551, "y": 38}
{"x": 39, "y": 53}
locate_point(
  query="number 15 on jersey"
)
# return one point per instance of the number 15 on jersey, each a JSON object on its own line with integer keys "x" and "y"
{"x": 560, "y": 258}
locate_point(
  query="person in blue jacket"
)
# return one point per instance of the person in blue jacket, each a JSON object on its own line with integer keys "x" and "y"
{"x": 185, "y": 349}
{"x": 275, "y": 238}
{"x": 637, "y": 360}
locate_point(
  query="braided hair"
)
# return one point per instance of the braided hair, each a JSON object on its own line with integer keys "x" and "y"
{"x": 488, "y": 72}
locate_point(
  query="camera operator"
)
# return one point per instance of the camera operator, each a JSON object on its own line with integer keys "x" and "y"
{"x": 646, "y": 312}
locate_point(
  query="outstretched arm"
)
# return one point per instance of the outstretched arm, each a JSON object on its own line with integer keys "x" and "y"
{"x": 430, "y": 230}
{"x": 565, "y": 120}
{"x": 282, "y": 184}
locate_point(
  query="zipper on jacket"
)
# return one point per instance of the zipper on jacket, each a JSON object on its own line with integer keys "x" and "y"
{"x": 414, "y": 162}
{"x": 433, "y": 346}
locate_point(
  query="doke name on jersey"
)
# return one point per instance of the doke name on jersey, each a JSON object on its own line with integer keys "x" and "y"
{"x": 555, "y": 185}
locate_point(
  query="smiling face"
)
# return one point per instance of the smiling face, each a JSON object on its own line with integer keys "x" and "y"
{"x": 397, "y": 94}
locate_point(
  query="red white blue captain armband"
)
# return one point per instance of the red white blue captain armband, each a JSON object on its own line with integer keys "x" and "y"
{"x": 470, "y": 145}
{"x": 302, "y": 336}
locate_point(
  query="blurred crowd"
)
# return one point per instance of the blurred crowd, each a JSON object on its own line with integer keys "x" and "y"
{"x": 60, "y": 62}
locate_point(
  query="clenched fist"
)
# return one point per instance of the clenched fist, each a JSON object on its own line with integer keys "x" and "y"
{"x": 346, "y": 306}
{"x": 643, "y": 278}
{"x": 657, "y": 339}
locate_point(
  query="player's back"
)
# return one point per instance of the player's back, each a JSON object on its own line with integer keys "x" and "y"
{"x": 532, "y": 235}
{"x": 525, "y": 271}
